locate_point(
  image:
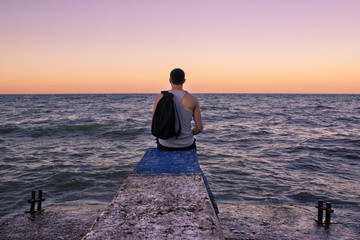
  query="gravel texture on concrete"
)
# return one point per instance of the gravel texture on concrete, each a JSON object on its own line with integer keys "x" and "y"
{"x": 159, "y": 207}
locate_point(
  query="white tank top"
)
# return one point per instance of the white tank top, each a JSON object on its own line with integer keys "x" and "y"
{"x": 186, "y": 138}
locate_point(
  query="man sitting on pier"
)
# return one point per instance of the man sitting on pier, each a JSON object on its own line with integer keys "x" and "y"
{"x": 188, "y": 108}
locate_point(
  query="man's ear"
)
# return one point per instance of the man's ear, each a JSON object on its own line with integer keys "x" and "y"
{"x": 184, "y": 80}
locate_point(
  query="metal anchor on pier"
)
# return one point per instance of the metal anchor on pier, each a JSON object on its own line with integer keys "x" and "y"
{"x": 34, "y": 200}
{"x": 327, "y": 210}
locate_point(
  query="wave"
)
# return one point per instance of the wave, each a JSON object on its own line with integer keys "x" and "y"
{"x": 6, "y": 129}
{"x": 65, "y": 129}
{"x": 83, "y": 128}
{"x": 38, "y": 131}
{"x": 323, "y": 107}
{"x": 260, "y": 132}
{"x": 304, "y": 196}
{"x": 127, "y": 132}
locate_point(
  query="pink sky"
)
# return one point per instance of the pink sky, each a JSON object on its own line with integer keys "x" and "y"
{"x": 82, "y": 46}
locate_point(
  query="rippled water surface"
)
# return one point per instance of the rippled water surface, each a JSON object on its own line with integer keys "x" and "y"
{"x": 273, "y": 149}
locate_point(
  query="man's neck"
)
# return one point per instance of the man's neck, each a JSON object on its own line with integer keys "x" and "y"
{"x": 177, "y": 87}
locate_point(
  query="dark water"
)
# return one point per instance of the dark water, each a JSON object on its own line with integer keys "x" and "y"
{"x": 269, "y": 149}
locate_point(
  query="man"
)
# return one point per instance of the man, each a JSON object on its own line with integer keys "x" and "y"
{"x": 188, "y": 108}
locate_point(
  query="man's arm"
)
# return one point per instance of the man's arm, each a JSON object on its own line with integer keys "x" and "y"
{"x": 197, "y": 119}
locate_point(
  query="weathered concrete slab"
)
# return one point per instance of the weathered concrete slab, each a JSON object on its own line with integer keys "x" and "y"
{"x": 166, "y": 197}
{"x": 159, "y": 207}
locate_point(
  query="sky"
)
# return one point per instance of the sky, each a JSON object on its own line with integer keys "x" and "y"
{"x": 225, "y": 46}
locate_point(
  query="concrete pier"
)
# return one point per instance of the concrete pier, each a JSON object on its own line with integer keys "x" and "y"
{"x": 166, "y": 197}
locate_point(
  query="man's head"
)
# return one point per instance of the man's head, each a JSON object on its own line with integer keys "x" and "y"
{"x": 177, "y": 76}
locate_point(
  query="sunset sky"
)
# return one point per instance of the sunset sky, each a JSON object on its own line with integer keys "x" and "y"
{"x": 224, "y": 46}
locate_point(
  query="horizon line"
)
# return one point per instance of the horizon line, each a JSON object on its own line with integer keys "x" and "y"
{"x": 275, "y": 93}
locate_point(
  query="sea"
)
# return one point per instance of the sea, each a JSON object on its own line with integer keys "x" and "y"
{"x": 267, "y": 150}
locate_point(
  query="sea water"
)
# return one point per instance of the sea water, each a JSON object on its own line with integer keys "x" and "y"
{"x": 268, "y": 149}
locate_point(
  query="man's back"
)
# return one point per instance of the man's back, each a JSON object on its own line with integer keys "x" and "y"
{"x": 189, "y": 108}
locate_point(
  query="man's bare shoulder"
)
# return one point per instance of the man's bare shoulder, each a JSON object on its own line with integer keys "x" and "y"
{"x": 189, "y": 97}
{"x": 190, "y": 101}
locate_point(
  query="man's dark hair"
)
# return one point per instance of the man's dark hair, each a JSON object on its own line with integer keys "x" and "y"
{"x": 177, "y": 76}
